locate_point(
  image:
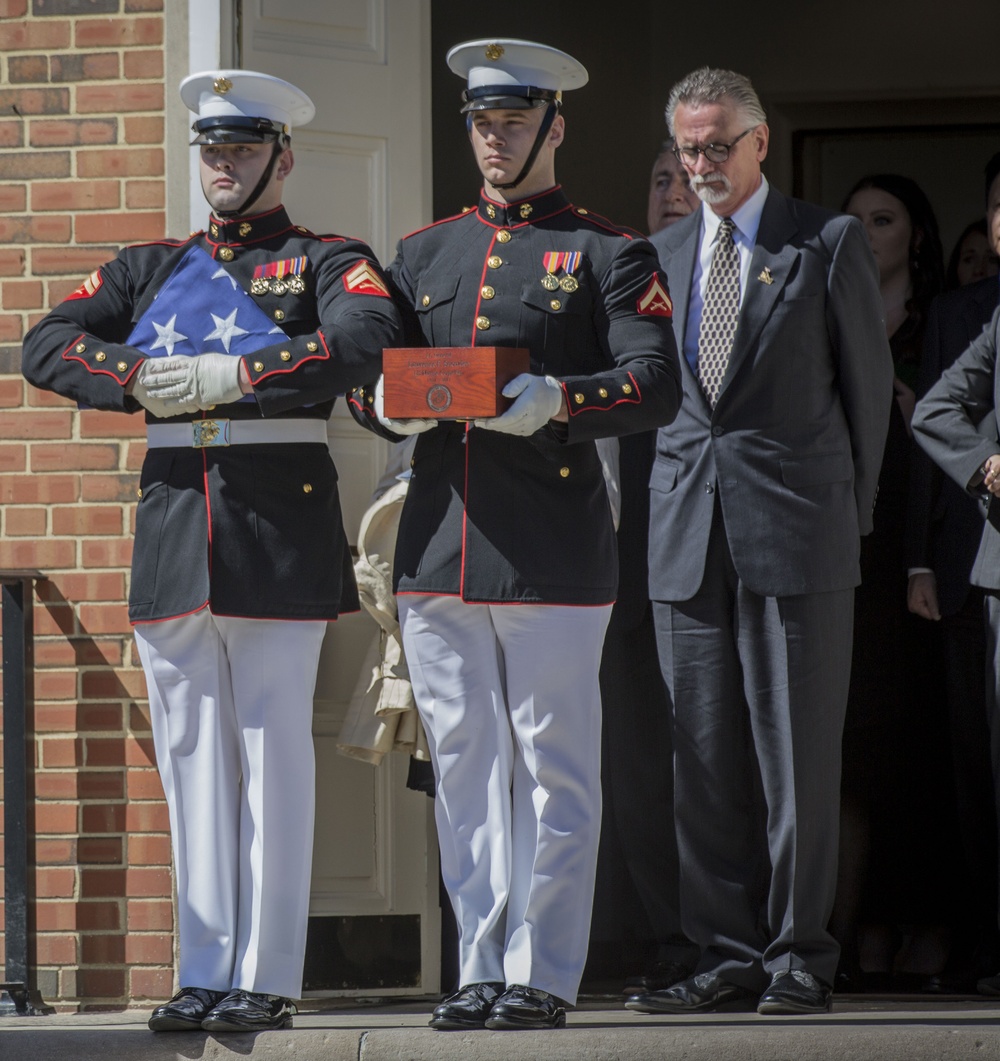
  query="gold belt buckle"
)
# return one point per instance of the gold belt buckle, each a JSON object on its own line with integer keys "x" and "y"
{"x": 210, "y": 433}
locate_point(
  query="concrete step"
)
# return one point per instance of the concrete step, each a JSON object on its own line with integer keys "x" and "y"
{"x": 859, "y": 1029}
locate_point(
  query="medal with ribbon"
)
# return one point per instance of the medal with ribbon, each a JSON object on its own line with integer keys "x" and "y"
{"x": 280, "y": 277}
{"x": 566, "y": 261}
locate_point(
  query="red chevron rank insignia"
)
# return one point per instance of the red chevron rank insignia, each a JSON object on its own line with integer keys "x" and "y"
{"x": 655, "y": 301}
{"x": 88, "y": 288}
{"x": 361, "y": 279}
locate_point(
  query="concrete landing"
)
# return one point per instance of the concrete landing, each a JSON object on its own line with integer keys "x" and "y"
{"x": 860, "y": 1027}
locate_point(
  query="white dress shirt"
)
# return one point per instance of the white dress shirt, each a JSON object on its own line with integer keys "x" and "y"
{"x": 747, "y": 222}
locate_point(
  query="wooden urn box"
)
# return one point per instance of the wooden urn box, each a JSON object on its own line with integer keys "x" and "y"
{"x": 449, "y": 382}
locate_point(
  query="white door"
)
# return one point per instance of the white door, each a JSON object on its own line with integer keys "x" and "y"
{"x": 362, "y": 168}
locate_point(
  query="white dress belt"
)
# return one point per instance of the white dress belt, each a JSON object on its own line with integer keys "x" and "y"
{"x": 202, "y": 434}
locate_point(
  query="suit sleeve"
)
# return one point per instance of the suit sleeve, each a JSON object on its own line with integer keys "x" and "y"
{"x": 864, "y": 361}
{"x": 78, "y": 350}
{"x": 357, "y": 319}
{"x": 946, "y": 418}
{"x": 642, "y": 389}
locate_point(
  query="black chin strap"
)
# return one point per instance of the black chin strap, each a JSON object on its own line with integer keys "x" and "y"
{"x": 551, "y": 110}
{"x": 258, "y": 191}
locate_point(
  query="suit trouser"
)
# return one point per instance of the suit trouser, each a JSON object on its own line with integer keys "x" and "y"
{"x": 758, "y": 687}
{"x": 509, "y": 698}
{"x": 231, "y": 704}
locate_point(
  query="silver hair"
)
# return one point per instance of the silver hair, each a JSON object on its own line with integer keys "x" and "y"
{"x": 706, "y": 85}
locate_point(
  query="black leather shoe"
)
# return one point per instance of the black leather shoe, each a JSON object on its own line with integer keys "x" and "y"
{"x": 795, "y": 991}
{"x": 466, "y": 1008}
{"x": 698, "y": 994}
{"x": 659, "y": 976}
{"x": 245, "y": 1011}
{"x": 185, "y": 1011}
{"x": 522, "y": 1007}
{"x": 989, "y": 986}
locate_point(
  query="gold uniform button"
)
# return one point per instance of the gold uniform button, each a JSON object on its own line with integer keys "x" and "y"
{"x": 214, "y": 230}
{"x": 494, "y": 261}
{"x": 312, "y": 346}
{"x": 100, "y": 356}
{"x": 626, "y": 388}
{"x": 503, "y": 236}
{"x": 482, "y": 323}
{"x": 285, "y": 355}
{"x": 564, "y": 472}
{"x": 426, "y": 300}
{"x": 556, "y": 304}
{"x": 138, "y": 493}
{"x": 602, "y": 392}
{"x": 491, "y": 212}
{"x": 279, "y": 314}
{"x": 582, "y": 211}
{"x": 226, "y": 254}
{"x": 578, "y": 398}
{"x": 487, "y": 292}
{"x": 307, "y": 488}
{"x": 258, "y": 366}
{"x": 80, "y": 347}
{"x": 122, "y": 366}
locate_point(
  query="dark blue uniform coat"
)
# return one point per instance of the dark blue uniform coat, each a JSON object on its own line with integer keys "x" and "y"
{"x": 248, "y": 530}
{"x": 492, "y": 517}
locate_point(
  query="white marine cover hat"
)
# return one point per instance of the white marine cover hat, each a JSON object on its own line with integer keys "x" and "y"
{"x": 243, "y": 106}
{"x": 504, "y": 73}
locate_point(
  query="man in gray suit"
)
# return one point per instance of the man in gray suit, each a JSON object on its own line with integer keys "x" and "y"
{"x": 760, "y": 491}
{"x": 957, "y": 424}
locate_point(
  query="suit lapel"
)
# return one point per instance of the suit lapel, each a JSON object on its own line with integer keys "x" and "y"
{"x": 770, "y": 268}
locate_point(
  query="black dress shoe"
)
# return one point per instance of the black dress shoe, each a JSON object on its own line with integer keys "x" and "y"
{"x": 185, "y": 1011}
{"x": 466, "y": 1008}
{"x": 522, "y": 1007}
{"x": 795, "y": 991}
{"x": 659, "y": 976}
{"x": 245, "y": 1011}
{"x": 698, "y": 994}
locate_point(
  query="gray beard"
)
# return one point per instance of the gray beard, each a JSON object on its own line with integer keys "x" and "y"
{"x": 711, "y": 191}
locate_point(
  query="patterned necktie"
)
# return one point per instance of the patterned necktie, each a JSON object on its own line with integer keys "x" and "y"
{"x": 720, "y": 313}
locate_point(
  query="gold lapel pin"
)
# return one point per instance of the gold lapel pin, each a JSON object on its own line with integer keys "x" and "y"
{"x": 765, "y": 276}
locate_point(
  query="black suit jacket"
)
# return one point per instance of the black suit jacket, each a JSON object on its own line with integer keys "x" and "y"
{"x": 794, "y": 444}
{"x": 944, "y": 522}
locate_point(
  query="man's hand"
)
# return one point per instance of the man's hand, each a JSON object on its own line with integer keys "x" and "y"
{"x": 205, "y": 380}
{"x": 991, "y": 474}
{"x": 139, "y": 388}
{"x": 537, "y": 400}
{"x": 400, "y": 427}
{"x": 921, "y": 595}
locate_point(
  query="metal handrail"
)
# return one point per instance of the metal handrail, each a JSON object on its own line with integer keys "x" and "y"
{"x": 19, "y": 993}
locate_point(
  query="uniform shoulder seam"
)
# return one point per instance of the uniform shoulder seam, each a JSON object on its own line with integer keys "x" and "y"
{"x": 602, "y": 222}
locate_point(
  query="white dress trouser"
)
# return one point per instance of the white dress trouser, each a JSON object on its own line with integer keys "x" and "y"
{"x": 231, "y": 704}
{"x": 510, "y": 700}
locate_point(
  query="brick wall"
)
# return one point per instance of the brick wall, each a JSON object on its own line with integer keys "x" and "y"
{"x": 81, "y": 172}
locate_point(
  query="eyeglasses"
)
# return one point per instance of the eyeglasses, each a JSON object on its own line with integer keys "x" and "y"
{"x": 688, "y": 156}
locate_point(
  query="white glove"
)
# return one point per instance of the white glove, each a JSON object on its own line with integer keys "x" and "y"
{"x": 148, "y": 399}
{"x": 400, "y": 427}
{"x": 537, "y": 400}
{"x": 205, "y": 380}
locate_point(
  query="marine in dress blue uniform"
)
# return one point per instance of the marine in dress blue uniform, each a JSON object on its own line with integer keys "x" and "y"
{"x": 514, "y": 510}
{"x": 240, "y": 556}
